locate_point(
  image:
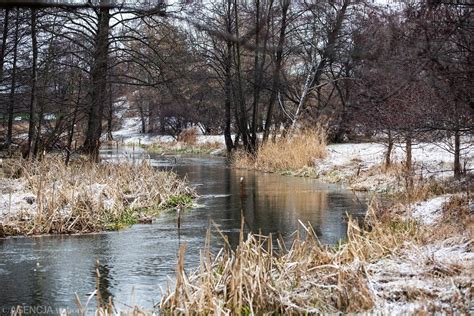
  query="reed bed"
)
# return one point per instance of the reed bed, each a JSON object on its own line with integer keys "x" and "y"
{"x": 308, "y": 278}
{"x": 86, "y": 197}
{"x": 285, "y": 154}
{"x": 255, "y": 278}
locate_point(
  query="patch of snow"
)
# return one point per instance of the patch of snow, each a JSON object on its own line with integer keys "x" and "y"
{"x": 14, "y": 197}
{"x": 429, "y": 212}
{"x": 129, "y": 133}
{"x": 356, "y": 164}
{"x": 431, "y": 273}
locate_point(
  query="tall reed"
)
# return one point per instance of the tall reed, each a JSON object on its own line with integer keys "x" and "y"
{"x": 285, "y": 154}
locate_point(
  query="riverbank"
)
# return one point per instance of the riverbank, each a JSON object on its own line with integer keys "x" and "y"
{"x": 47, "y": 197}
{"x": 413, "y": 255}
{"x": 189, "y": 141}
{"x": 178, "y": 147}
{"x": 360, "y": 166}
{"x": 395, "y": 263}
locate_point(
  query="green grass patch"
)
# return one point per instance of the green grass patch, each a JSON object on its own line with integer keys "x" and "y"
{"x": 179, "y": 200}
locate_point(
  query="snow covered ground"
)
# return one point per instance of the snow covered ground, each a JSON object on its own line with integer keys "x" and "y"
{"x": 429, "y": 212}
{"x": 129, "y": 133}
{"x": 435, "y": 274}
{"x": 15, "y": 197}
{"x": 359, "y": 165}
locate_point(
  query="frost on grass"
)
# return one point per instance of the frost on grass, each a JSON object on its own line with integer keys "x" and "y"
{"x": 395, "y": 266}
{"x": 429, "y": 212}
{"x": 437, "y": 275}
{"x": 15, "y": 197}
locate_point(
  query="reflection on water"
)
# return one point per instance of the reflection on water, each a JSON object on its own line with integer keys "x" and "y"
{"x": 141, "y": 259}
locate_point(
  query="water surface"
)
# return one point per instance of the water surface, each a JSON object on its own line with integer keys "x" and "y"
{"x": 134, "y": 263}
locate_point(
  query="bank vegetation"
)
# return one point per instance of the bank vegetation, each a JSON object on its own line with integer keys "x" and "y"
{"x": 392, "y": 263}
{"x": 48, "y": 197}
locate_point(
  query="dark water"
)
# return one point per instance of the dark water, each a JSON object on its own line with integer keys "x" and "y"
{"x": 44, "y": 273}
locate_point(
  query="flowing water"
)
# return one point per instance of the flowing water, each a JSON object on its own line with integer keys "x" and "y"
{"x": 44, "y": 273}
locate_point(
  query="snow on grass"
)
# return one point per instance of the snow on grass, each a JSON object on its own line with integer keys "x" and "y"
{"x": 359, "y": 165}
{"x": 434, "y": 273}
{"x": 130, "y": 133}
{"x": 429, "y": 212}
{"x": 15, "y": 197}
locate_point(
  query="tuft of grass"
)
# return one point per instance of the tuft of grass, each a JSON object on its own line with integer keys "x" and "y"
{"x": 179, "y": 200}
{"x": 86, "y": 197}
{"x": 255, "y": 278}
{"x": 188, "y": 136}
{"x": 286, "y": 154}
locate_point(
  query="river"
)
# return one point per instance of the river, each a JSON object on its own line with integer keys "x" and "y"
{"x": 46, "y": 272}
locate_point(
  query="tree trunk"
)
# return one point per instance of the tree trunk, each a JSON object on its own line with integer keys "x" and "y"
{"x": 408, "y": 148}
{"x": 243, "y": 120}
{"x": 318, "y": 66}
{"x": 342, "y": 129}
{"x": 457, "y": 155}
{"x": 32, "y": 119}
{"x": 4, "y": 42}
{"x": 110, "y": 114}
{"x": 73, "y": 124}
{"x": 259, "y": 64}
{"x": 256, "y": 79}
{"x": 408, "y": 164}
{"x": 228, "y": 84}
{"x": 143, "y": 113}
{"x": 388, "y": 153}
{"x": 37, "y": 146}
{"x": 99, "y": 86}
{"x": 142, "y": 120}
{"x": 277, "y": 70}
{"x": 11, "y": 102}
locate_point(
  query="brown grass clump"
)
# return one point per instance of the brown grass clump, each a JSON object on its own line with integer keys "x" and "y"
{"x": 457, "y": 218}
{"x": 86, "y": 197}
{"x": 286, "y": 154}
{"x": 188, "y": 136}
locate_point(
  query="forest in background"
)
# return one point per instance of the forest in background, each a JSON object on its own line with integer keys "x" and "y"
{"x": 400, "y": 70}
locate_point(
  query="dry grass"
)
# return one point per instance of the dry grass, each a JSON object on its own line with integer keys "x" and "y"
{"x": 86, "y": 197}
{"x": 182, "y": 148}
{"x": 285, "y": 154}
{"x": 256, "y": 278}
{"x": 307, "y": 278}
{"x": 188, "y": 136}
{"x": 457, "y": 218}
